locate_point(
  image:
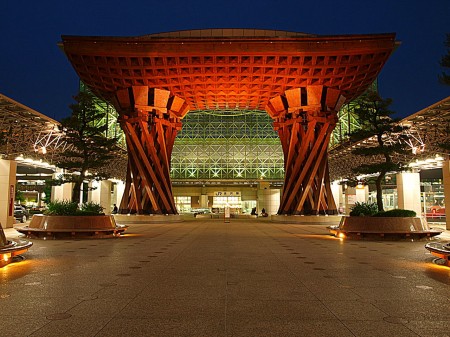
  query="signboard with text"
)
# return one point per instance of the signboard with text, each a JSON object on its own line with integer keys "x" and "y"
{"x": 227, "y": 194}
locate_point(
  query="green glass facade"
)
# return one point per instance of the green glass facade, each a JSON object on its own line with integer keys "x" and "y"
{"x": 235, "y": 145}
{"x": 230, "y": 145}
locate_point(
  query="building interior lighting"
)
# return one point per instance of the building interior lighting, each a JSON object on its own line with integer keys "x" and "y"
{"x": 34, "y": 162}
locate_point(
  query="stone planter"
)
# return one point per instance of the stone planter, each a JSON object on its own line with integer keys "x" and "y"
{"x": 440, "y": 250}
{"x": 55, "y": 226}
{"x": 11, "y": 248}
{"x": 381, "y": 227}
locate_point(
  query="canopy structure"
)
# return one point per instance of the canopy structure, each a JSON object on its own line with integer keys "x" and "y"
{"x": 33, "y": 138}
{"x": 28, "y": 133}
{"x": 428, "y": 128}
{"x": 300, "y": 79}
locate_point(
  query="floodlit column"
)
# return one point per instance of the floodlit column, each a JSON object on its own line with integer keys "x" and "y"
{"x": 8, "y": 170}
{"x": 362, "y": 193}
{"x": 61, "y": 192}
{"x": 446, "y": 178}
{"x": 338, "y": 195}
{"x": 101, "y": 194}
{"x": 204, "y": 201}
{"x": 269, "y": 199}
{"x": 408, "y": 191}
{"x": 150, "y": 119}
{"x": 304, "y": 119}
{"x": 350, "y": 199}
{"x": 119, "y": 189}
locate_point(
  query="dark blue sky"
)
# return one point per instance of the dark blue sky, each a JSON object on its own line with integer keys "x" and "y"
{"x": 34, "y": 72}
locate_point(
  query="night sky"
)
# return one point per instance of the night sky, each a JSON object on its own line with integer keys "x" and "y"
{"x": 34, "y": 72}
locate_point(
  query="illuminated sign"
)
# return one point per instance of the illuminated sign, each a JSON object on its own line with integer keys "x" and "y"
{"x": 227, "y": 194}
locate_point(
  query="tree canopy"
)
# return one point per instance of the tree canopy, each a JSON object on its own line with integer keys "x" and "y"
{"x": 375, "y": 119}
{"x": 89, "y": 150}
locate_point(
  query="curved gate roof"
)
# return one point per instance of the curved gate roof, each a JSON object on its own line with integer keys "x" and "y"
{"x": 229, "y": 68}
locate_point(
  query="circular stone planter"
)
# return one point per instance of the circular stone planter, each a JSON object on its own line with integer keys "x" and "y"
{"x": 11, "y": 248}
{"x": 307, "y": 219}
{"x": 440, "y": 250}
{"x": 383, "y": 227}
{"x": 56, "y": 226}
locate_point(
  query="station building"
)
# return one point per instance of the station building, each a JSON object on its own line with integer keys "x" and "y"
{"x": 227, "y": 152}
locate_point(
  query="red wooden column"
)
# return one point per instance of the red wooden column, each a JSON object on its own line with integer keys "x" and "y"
{"x": 150, "y": 119}
{"x": 304, "y": 119}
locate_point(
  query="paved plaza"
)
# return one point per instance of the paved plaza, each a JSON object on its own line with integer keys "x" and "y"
{"x": 205, "y": 277}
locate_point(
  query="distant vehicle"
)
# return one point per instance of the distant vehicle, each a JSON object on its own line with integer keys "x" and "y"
{"x": 437, "y": 209}
{"x": 20, "y": 213}
{"x": 198, "y": 211}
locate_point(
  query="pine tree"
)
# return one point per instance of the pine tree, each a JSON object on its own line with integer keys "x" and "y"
{"x": 445, "y": 63}
{"x": 88, "y": 148}
{"x": 375, "y": 119}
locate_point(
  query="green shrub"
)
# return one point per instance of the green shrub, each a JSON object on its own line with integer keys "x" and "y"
{"x": 91, "y": 208}
{"x": 400, "y": 213}
{"x": 70, "y": 208}
{"x": 364, "y": 209}
{"x": 63, "y": 207}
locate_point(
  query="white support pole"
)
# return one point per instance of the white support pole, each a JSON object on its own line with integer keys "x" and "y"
{"x": 408, "y": 191}
{"x": 8, "y": 170}
{"x": 204, "y": 201}
{"x": 446, "y": 180}
{"x": 268, "y": 199}
{"x": 338, "y": 195}
{"x": 362, "y": 193}
{"x": 350, "y": 199}
{"x": 101, "y": 194}
{"x": 120, "y": 188}
{"x": 61, "y": 192}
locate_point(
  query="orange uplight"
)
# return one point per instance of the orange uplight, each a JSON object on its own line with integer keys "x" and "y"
{"x": 341, "y": 235}
{"x": 6, "y": 257}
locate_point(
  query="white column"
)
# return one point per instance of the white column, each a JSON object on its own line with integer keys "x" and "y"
{"x": 94, "y": 191}
{"x": 101, "y": 194}
{"x": 61, "y": 192}
{"x": 338, "y": 195}
{"x": 408, "y": 191}
{"x": 120, "y": 188}
{"x": 446, "y": 178}
{"x": 204, "y": 201}
{"x": 269, "y": 199}
{"x": 362, "y": 193}
{"x": 350, "y": 199}
{"x": 8, "y": 170}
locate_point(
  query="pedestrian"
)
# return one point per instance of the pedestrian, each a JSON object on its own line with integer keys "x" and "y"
{"x": 115, "y": 209}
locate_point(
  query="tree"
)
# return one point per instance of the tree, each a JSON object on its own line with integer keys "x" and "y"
{"x": 445, "y": 63}
{"x": 19, "y": 196}
{"x": 375, "y": 119}
{"x": 88, "y": 149}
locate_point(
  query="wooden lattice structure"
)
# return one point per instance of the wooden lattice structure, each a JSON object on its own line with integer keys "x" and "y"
{"x": 235, "y": 69}
{"x": 150, "y": 119}
{"x": 305, "y": 119}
